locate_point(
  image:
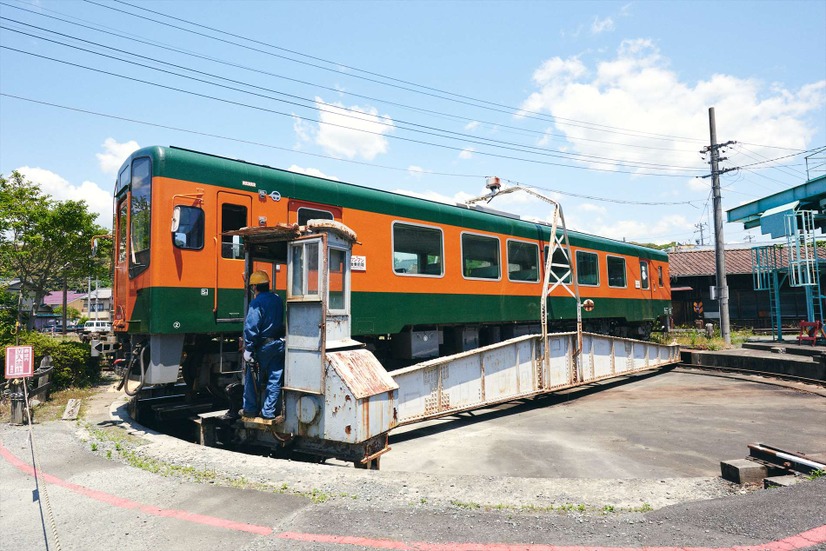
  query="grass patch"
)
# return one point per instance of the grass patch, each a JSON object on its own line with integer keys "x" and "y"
{"x": 563, "y": 508}
{"x": 814, "y": 475}
{"x": 698, "y": 340}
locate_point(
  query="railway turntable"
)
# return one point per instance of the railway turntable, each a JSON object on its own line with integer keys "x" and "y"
{"x": 339, "y": 401}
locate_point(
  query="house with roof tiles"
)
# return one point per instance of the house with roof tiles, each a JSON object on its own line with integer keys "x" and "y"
{"x": 693, "y": 273}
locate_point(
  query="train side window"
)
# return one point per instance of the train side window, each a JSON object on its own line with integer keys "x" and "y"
{"x": 660, "y": 275}
{"x": 233, "y": 217}
{"x": 587, "y": 268}
{"x": 305, "y": 214}
{"x": 560, "y": 265}
{"x": 123, "y": 178}
{"x": 188, "y": 227}
{"x": 644, "y": 274}
{"x": 122, "y": 213}
{"x": 616, "y": 271}
{"x": 140, "y": 217}
{"x": 417, "y": 250}
{"x": 523, "y": 261}
{"x": 480, "y": 256}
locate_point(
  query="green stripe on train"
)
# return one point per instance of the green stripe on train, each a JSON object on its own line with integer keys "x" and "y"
{"x": 187, "y": 310}
{"x": 207, "y": 169}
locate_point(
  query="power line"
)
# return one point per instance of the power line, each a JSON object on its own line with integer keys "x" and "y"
{"x": 459, "y": 98}
{"x": 317, "y": 155}
{"x": 415, "y": 127}
{"x": 602, "y": 199}
{"x": 309, "y": 119}
{"x": 112, "y": 32}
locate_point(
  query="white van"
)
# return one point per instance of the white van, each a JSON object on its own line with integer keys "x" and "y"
{"x": 97, "y": 326}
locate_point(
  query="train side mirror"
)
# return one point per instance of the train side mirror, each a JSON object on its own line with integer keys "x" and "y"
{"x": 176, "y": 219}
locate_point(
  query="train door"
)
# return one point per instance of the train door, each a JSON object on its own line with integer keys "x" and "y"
{"x": 233, "y": 213}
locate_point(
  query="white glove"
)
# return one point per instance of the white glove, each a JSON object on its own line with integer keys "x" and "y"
{"x": 247, "y": 355}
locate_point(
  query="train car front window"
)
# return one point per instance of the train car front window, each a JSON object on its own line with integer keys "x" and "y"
{"x": 140, "y": 216}
{"x": 123, "y": 178}
{"x": 587, "y": 268}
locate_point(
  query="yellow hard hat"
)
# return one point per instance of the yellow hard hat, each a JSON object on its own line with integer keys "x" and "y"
{"x": 259, "y": 276}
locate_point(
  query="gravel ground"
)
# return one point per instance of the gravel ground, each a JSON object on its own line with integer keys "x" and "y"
{"x": 393, "y": 507}
{"x": 394, "y": 489}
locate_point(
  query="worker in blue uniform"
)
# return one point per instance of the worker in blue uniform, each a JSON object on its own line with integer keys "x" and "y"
{"x": 264, "y": 345}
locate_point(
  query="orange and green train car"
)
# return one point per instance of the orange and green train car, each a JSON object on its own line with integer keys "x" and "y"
{"x": 427, "y": 278}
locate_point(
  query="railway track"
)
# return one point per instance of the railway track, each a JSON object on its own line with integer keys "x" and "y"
{"x": 775, "y": 378}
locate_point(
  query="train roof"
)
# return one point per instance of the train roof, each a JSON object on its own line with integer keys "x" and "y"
{"x": 186, "y": 164}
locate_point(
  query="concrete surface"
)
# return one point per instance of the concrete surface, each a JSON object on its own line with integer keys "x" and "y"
{"x": 219, "y": 500}
{"x": 674, "y": 424}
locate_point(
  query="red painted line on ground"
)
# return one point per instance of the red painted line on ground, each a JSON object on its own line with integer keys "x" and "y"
{"x": 802, "y": 540}
{"x": 799, "y": 541}
{"x": 129, "y": 504}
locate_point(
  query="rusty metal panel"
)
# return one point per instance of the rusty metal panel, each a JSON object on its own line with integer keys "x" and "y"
{"x": 361, "y": 372}
{"x": 360, "y": 397}
{"x": 511, "y": 370}
{"x": 560, "y": 350}
{"x": 602, "y": 354}
{"x": 304, "y": 368}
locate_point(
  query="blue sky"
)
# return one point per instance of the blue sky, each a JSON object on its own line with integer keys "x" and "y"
{"x": 604, "y": 105}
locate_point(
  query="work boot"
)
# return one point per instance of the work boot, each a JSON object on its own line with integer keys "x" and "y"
{"x": 230, "y": 415}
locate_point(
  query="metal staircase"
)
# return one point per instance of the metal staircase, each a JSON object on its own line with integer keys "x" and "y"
{"x": 804, "y": 267}
{"x": 801, "y": 267}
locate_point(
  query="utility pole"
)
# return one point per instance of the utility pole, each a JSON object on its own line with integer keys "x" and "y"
{"x": 719, "y": 242}
{"x": 700, "y": 227}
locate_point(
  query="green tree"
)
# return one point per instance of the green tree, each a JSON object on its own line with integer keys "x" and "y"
{"x": 71, "y": 313}
{"x": 46, "y": 243}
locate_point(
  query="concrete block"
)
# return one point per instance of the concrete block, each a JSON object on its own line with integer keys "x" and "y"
{"x": 781, "y": 481}
{"x": 743, "y": 471}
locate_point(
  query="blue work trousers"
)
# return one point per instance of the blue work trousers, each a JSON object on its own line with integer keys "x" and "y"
{"x": 270, "y": 360}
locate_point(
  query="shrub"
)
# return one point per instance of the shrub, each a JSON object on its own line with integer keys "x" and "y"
{"x": 72, "y": 361}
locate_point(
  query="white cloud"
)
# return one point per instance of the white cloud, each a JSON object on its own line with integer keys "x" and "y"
{"x": 98, "y": 199}
{"x": 472, "y": 125}
{"x": 636, "y": 91}
{"x": 699, "y": 184}
{"x": 661, "y": 230}
{"x": 466, "y": 153}
{"x": 415, "y": 170}
{"x": 602, "y": 25}
{"x": 114, "y": 154}
{"x": 592, "y": 208}
{"x": 311, "y": 172}
{"x": 347, "y": 132}
{"x": 302, "y": 131}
